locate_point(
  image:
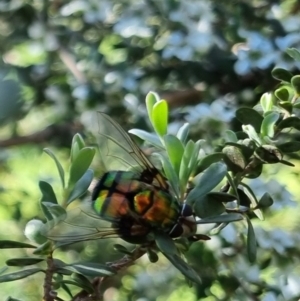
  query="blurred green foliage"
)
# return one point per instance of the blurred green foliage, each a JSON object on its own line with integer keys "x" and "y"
{"x": 63, "y": 60}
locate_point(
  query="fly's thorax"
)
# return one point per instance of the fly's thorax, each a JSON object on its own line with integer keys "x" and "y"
{"x": 157, "y": 207}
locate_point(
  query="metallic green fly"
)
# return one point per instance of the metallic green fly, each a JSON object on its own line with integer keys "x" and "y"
{"x": 133, "y": 195}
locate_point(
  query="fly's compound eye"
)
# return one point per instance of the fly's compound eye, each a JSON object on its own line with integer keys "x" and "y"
{"x": 186, "y": 210}
{"x": 176, "y": 231}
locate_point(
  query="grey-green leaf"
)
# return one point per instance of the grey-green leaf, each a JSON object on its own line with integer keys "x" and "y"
{"x": 209, "y": 179}
{"x": 208, "y": 206}
{"x": 251, "y": 242}
{"x": 81, "y": 186}
{"x": 165, "y": 243}
{"x": 281, "y": 74}
{"x": 23, "y": 261}
{"x": 19, "y": 275}
{"x": 290, "y": 122}
{"x": 224, "y": 218}
{"x": 289, "y": 147}
{"x": 10, "y": 244}
{"x": 58, "y": 165}
{"x": 184, "y": 268}
{"x": 91, "y": 269}
{"x": 48, "y": 196}
{"x": 80, "y": 165}
{"x": 148, "y": 137}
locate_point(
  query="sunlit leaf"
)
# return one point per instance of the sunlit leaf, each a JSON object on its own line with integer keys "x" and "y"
{"x": 268, "y": 124}
{"x": 160, "y": 117}
{"x": 151, "y": 99}
{"x": 282, "y": 94}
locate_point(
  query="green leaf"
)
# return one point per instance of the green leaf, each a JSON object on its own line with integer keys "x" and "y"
{"x": 184, "y": 268}
{"x": 268, "y": 124}
{"x": 122, "y": 249}
{"x": 58, "y": 166}
{"x": 19, "y": 275}
{"x": 153, "y": 257}
{"x": 293, "y": 53}
{"x": 24, "y": 261}
{"x": 56, "y": 211}
{"x": 234, "y": 158}
{"x": 91, "y": 269}
{"x": 148, "y": 137}
{"x": 174, "y": 150}
{"x": 207, "y": 207}
{"x": 165, "y": 243}
{"x": 281, "y": 74}
{"x": 282, "y": 94}
{"x": 251, "y": 242}
{"x": 12, "y": 299}
{"x": 249, "y": 116}
{"x": 170, "y": 173}
{"x": 77, "y": 145}
{"x": 224, "y": 218}
{"x": 209, "y": 160}
{"x": 266, "y": 102}
{"x": 44, "y": 249}
{"x": 81, "y": 186}
{"x": 222, "y": 197}
{"x": 151, "y": 99}
{"x": 10, "y": 244}
{"x": 83, "y": 282}
{"x": 230, "y": 136}
{"x": 160, "y": 117}
{"x": 48, "y": 196}
{"x": 81, "y": 164}
{"x": 184, "y": 172}
{"x": 289, "y": 147}
{"x": 296, "y": 83}
{"x": 290, "y": 122}
{"x": 254, "y": 202}
{"x": 183, "y": 133}
{"x": 209, "y": 179}
{"x": 265, "y": 201}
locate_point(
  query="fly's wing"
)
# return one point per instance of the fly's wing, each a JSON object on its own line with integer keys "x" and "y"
{"x": 119, "y": 152}
{"x": 79, "y": 224}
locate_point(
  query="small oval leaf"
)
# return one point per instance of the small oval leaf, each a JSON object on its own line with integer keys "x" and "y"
{"x": 209, "y": 179}
{"x": 23, "y": 261}
{"x": 251, "y": 242}
{"x": 249, "y": 116}
{"x": 281, "y": 74}
{"x": 160, "y": 117}
{"x": 268, "y": 124}
{"x": 81, "y": 186}
{"x": 81, "y": 164}
{"x": 10, "y": 244}
{"x": 19, "y": 275}
{"x": 295, "y": 81}
{"x": 58, "y": 166}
